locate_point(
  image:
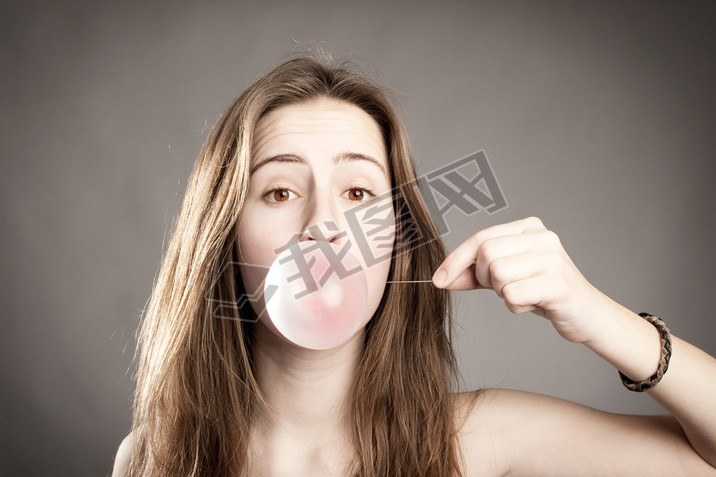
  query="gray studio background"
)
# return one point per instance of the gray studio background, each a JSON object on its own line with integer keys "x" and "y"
{"x": 597, "y": 119}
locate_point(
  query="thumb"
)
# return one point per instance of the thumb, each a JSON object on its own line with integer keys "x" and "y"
{"x": 465, "y": 280}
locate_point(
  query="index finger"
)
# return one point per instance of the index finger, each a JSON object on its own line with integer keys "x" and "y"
{"x": 457, "y": 272}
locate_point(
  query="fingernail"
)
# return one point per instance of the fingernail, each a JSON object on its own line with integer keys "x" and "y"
{"x": 439, "y": 277}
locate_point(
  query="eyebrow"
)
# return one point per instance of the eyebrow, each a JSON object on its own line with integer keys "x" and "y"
{"x": 340, "y": 157}
{"x": 277, "y": 158}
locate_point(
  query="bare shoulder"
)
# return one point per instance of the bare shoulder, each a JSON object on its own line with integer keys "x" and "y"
{"x": 521, "y": 433}
{"x": 124, "y": 454}
{"x": 486, "y": 419}
{"x": 477, "y": 433}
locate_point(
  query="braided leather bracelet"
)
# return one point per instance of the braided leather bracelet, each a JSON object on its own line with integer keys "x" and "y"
{"x": 663, "y": 361}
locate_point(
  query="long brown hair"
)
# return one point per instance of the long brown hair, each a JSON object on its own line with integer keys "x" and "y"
{"x": 196, "y": 389}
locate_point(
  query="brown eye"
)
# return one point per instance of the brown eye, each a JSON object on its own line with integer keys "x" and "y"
{"x": 280, "y": 195}
{"x": 356, "y": 194}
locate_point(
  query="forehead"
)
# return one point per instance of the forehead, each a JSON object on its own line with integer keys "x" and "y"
{"x": 320, "y": 126}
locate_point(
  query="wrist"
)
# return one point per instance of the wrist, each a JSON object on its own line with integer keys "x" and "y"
{"x": 604, "y": 317}
{"x": 653, "y": 380}
{"x": 629, "y": 342}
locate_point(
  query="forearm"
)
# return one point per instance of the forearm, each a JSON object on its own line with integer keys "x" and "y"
{"x": 526, "y": 265}
{"x": 687, "y": 390}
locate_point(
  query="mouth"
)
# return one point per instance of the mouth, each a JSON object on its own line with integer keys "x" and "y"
{"x": 321, "y": 296}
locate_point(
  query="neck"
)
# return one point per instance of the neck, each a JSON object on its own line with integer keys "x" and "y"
{"x": 307, "y": 390}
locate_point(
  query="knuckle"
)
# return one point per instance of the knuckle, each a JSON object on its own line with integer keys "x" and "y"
{"x": 515, "y": 309}
{"x": 499, "y": 271}
{"x": 535, "y": 221}
{"x": 478, "y": 236}
{"x": 551, "y": 238}
{"x": 554, "y": 261}
{"x": 488, "y": 250}
{"x": 509, "y": 294}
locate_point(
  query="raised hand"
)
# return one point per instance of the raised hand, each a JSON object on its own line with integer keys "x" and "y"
{"x": 526, "y": 265}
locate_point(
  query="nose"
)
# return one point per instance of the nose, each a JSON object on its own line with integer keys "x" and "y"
{"x": 323, "y": 221}
{"x": 327, "y": 231}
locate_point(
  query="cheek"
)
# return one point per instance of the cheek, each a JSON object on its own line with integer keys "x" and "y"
{"x": 249, "y": 246}
{"x": 256, "y": 242}
{"x": 371, "y": 229}
{"x": 259, "y": 235}
{"x": 376, "y": 258}
{"x": 376, "y": 277}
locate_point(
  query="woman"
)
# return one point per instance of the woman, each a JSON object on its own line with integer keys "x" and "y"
{"x": 285, "y": 163}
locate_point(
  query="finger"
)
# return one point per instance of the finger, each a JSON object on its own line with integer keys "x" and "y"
{"x": 520, "y": 309}
{"x": 535, "y": 242}
{"x": 496, "y": 248}
{"x": 464, "y": 255}
{"x": 513, "y": 268}
{"x": 466, "y": 280}
{"x": 525, "y": 295}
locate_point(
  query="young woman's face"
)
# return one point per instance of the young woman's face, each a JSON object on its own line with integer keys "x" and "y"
{"x": 312, "y": 162}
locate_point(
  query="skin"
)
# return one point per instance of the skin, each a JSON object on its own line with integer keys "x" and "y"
{"x": 311, "y": 163}
{"x": 518, "y": 433}
{"x": 306, "y": 387}
{"x": 524, "y": 263}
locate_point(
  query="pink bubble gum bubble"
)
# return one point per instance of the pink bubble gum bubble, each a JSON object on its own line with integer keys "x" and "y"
{"x": 316, "y": 297}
